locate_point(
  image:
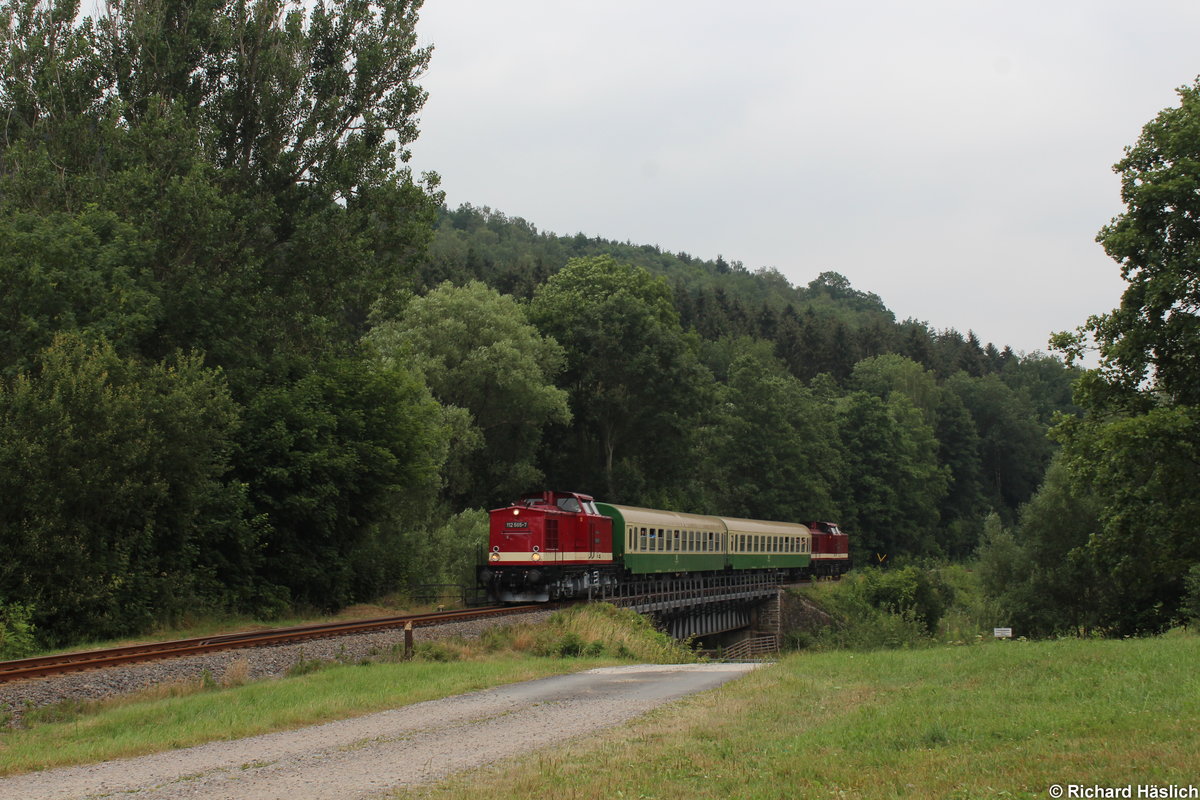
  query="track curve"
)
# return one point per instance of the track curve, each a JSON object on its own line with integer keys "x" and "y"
{"x": 22, "y": 669}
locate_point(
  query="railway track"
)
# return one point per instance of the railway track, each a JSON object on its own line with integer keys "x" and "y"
{"x": 24, "y": 668}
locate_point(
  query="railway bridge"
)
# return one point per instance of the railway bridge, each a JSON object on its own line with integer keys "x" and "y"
{"x": 706, "y": 605}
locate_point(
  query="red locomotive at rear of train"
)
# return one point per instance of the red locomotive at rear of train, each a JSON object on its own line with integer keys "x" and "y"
{"x": 830, "y": 548}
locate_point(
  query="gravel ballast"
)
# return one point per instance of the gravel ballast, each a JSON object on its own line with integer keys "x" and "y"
{"x": 247, "y": 664}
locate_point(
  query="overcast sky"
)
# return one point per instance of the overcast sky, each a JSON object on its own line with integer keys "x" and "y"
{"x": 953, "y": 157}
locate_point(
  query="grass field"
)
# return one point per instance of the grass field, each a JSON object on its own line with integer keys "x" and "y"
{"x": 1002, "y": 719}
{"x": 998, "y": 719}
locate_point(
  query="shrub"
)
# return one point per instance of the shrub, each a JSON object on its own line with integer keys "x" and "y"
{"x": 16, "y": 631}
{"x": 913, "y": 591}
{"x": 1190, "y": 607}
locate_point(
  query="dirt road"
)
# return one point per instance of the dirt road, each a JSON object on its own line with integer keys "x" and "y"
{"x": 371, "y": 755}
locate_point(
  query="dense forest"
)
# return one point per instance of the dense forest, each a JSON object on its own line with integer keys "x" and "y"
{"x": 249, "y": 361}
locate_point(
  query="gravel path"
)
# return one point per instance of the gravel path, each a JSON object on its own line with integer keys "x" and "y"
{"x": 375, "y": 754}
{"x": 251, "y": 663}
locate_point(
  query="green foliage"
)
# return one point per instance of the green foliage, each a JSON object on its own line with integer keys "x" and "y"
{"x": 1043, "y": 575}
{"x": 1143, "y": 542}
{"x": 1135, "y": 451}
{"x": 445, "y": 553}
{"x": 908, "y": 590}
{"x": 347, "y": 452}
{"x": 861, "y": 623}
{"x": 893, "y": 483}
{"x": 1190, "y": 607}
{"x": 64, "y": 272}
{"x": 910, "y": 606}
{"x": 771, "y": 449}
{"x": 120, "y": 510}
{"x": 1013, "y": 449}
{"x": 17, "y": 631}
{"x": 633, "y": 377}
{"x": 225, "y": 179}
{"x": 478, "y": 353}
{"x": 1155, "y": 332}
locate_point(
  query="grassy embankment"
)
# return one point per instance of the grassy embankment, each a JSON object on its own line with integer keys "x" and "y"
{"x": 223, "y": 708}
{"x": 997, "y": 719}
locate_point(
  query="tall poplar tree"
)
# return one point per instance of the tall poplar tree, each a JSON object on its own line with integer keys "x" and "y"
{"x": 1137, "y": 447}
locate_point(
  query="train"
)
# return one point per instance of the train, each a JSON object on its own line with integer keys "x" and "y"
{"x": 553, "y": 545}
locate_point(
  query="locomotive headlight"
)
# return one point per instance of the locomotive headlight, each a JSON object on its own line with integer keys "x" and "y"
{"x": 537, "y": 556}
{"x": 516, "y": 512}
{"x": 493, "y": 556}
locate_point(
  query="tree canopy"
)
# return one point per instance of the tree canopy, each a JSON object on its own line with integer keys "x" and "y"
{"x": 1129, "y": 464}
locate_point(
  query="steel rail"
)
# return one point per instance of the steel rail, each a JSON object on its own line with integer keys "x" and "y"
{"x": 39, "y": 666}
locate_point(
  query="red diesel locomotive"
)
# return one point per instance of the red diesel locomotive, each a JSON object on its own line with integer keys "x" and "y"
{"x": 553, "y": 545}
